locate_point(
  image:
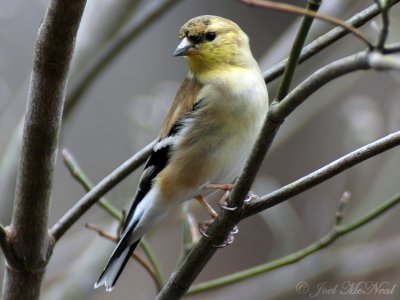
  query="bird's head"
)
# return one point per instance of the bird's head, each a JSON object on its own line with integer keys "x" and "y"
{"x": 211, "y": 42}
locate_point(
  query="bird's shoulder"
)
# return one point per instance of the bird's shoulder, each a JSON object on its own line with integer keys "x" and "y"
{"x": 184, "y": 102}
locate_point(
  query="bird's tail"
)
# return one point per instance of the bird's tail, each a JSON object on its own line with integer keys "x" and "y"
{"x": 115, "y": 265}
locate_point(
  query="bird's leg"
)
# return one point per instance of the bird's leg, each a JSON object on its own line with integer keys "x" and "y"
{"x": 213, "y": 214}
{"x": 227, "y": 187}
{"x": 203, "y": 226}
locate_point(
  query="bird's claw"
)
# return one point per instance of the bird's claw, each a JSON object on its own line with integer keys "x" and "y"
{"x": 250, "y": 196}
{"x": 203, "y": 226}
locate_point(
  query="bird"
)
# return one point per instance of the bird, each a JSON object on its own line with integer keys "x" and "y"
{"x": 208, "y": 133}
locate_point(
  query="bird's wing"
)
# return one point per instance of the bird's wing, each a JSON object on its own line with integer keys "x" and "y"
{"x": 186, "y": 102}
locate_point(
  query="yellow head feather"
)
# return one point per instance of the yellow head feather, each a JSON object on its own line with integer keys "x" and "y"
{"x": 217, "y": 42}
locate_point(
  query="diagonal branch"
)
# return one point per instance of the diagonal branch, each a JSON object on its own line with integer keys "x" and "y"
{"x": 329, "y": 38}
{"x": 301, "y": 11}
{"x": 325, "y": 241}
{"x": 295, "y": 51}
{"x": 307, "y": 182}
{"x": 99, "y": 190}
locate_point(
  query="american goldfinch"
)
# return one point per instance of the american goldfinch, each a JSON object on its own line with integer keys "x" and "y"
{"x": 209, "y": 131}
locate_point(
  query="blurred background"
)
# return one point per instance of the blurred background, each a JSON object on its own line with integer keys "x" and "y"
{"x": 122, "y": 110}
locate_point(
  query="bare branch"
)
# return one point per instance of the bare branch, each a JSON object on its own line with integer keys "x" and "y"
{"x": 99, "y": 190}
{"x": 336, "y": 232}
{"x": 329, "y": 38}
{"x": 323, "y": 174}
{"x": 80, "y": 176}
{"x": 135, "y": 256}
{"x": 295, "y": 51}
{"x": 29, "y": 237}
{"x": 381, "y": 62}
{"x": 301, "y": 11}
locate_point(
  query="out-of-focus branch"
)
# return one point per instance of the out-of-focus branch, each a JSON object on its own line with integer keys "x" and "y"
{"x": 135, "y": 256}
{"x": 110, "y": 51}
{"x": 301, "y": 11}
{"x": 76, "y": 172}
{"x": 328, "y": 39}
{"x": 336, "y": 232}
{"x": 28, "y": 241}
{"x": 393, "y": 48}
{"x": 382, "y": 62}
{"x": 99, "y": 190}
{"x": 296, "y": 50}
{"x": 384, "y": 7}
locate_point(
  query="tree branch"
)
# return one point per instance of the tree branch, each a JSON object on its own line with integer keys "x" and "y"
{"x": 301, "y": 11}
{"x": 328, "y": 39}
{"x": 307, "y": 182}
{"x": 295, "y": 51}
{"x": 328, "y": 239}
{"x": 99, "y": 190}
{"x": 81, "y": 177}
{"x": 77, "y": 173}
{"x": 28, "y": 237}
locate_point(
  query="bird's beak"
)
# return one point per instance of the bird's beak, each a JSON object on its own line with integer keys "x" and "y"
{"x": 185, "y": 48}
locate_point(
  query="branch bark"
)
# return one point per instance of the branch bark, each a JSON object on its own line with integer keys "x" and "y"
{"x": 307, "y": 182}
{"x": 29, "y": 246}
{"x": 327, "y": 39}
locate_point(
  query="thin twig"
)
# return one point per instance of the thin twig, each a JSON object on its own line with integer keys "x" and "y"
{"x": 99, "y": 190}
{"x": 384, "y": 7}
{"x": 301, "y": 11}
{"x": 78, "y": 173}
{"x": 295, "y": 51}
{"x": 343, "y": 201}
{"x": 329, "y": 38}
{"x": 384, "y": 144}
{"x": 384, "y": 62}
{"x": 135, "y": 256}
{"x": 328, "y": 239}
{"x": 393, "y": 48}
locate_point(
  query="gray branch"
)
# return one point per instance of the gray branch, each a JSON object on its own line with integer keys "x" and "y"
{"x": 28, "y": 244}
{"x": 307, "y": 182}
{"x": 100, "y": 190}
{"x": 327, "y": 39}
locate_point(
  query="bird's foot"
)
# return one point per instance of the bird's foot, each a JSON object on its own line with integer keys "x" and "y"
{"x": 203, "y": 226}
{"x": 250, "y": 197}
{"x": 227, "y": 187}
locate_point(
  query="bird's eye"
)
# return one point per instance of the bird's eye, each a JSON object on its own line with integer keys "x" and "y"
{"x": 210, "y": 36}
